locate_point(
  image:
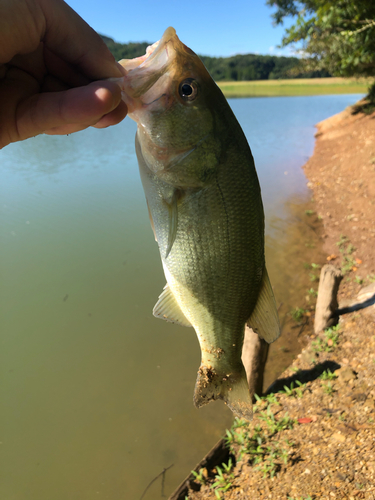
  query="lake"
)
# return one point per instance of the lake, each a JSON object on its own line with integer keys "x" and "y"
{"x": 96, "y": 394}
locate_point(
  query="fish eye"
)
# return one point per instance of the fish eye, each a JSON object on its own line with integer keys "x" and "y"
{"x": 188, "y": 89}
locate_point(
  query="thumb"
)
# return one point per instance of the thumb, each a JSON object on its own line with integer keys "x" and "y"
{"x": 71, "y": 110}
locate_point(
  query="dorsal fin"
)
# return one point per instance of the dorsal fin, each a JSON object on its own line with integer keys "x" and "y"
{"x": 264, "y": 320}
{"x": 167, "y": 308}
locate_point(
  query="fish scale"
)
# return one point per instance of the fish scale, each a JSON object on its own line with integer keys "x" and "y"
{"x": 206, "y": 211}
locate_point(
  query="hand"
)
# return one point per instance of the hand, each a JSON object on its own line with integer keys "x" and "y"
{"x": 51, "y": 66}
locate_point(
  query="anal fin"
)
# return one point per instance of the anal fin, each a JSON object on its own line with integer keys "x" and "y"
{"x": 264, "y": 320}
{"x": 167, "y": 308}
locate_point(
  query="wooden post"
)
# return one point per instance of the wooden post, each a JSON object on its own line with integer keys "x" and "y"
{"x": 254, "y": 357}
{"x": 326, "y": 305}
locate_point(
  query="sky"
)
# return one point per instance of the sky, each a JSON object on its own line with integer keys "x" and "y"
{"x": 209, "y": 27}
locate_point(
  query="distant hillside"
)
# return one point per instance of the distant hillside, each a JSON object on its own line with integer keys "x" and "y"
{"x": 125, "y": 50}
{"x": 235, "y": 68}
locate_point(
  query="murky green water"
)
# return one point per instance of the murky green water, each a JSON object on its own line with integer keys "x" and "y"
{"x": 96, "y": 394}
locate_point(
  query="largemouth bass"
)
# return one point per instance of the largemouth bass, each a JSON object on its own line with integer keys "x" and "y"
{"x": 206, "y": 211}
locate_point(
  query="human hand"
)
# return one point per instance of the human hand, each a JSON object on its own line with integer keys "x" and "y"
{"x": 51, "y": 67}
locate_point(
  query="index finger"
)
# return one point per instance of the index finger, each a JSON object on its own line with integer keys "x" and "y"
{"x": 71, "y": 38}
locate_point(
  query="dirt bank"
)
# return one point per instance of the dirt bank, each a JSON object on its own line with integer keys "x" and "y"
{"x": 314, "y": 438}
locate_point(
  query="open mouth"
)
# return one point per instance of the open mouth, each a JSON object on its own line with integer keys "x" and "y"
{"x": 146, "y": 77}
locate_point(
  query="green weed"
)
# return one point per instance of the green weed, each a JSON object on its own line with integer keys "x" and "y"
{"x": 315, "y": 266}
{"x": 342, "y": 241}
{"x": 199, "y": 476}
{"x": 329, "y": 341}
{"x": 223, "y": 479}
{"x": 348, "y": 264}
{"x": 309, "y": 212}
{"x": 259, "y": 443}
{"x": 294, "y": 391}
{"x": 328, "y": 388}
{"x": 328, "y": 375}
{"x": 297, "y": 313}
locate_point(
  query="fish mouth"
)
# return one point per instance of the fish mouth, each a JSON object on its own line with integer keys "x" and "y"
{"x": 147, "y": 78}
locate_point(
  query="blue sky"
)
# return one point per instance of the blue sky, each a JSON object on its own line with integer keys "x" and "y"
{"x": 209, "y": 27}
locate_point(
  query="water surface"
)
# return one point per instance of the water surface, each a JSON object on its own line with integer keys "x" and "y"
{"x": 96, "y": 394}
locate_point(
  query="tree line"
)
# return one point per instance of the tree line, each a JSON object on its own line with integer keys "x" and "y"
{"x": 336, "y": 35}
{"x": 234, "y": 68}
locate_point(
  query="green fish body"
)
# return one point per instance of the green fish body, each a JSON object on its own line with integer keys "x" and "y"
{"x": 206, "y": 211}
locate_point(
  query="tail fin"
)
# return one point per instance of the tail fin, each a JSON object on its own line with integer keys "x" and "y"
{"x": 233, "y": 389}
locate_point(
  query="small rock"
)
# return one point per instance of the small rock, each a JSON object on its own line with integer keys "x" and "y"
{"x": 347, "y": 344}
{"x": 338, "y": 437}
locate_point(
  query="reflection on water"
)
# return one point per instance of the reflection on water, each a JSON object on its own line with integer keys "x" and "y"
{"x": 96, "y": 393}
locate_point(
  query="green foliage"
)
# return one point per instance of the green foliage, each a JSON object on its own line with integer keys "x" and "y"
{"x": 254, "y": 67}
{"x": 346, "y": 249}
{"x": 294, "y": 391}
{"x": 199, "y": 476}
{"x": 125, "y": 50}
{"x": 329, "y": 340}
{"x": 297, "y": 313}
{"x": 262, "y": 444}
{"x": 328, "y": 388}
{"x": 342, "y": 241}
{"x": 236, "y": 68}
{"x": 336, "y": 35}
{"x": 223, "y": 479}
{"x": 328, "y": 375}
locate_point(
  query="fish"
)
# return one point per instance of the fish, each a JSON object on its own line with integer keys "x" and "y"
{"x": 205, "y": 208}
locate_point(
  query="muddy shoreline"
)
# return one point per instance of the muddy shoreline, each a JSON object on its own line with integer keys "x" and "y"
{"x": 327, "y": 395}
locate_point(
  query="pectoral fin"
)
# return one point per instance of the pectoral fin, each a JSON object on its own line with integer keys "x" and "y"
{"x": 167, "y": 308}
{"x": 264, "y": 320}
{"x": 173, "y": 221}
{"x": 151, "y": 221}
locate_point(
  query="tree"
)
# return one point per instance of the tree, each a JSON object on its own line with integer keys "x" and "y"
{"x": 336, "y": 35}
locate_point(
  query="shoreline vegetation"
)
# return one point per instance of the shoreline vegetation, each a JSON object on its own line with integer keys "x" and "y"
{"x": 313, "y": 433}
{"x": 294, "y": 87}
{"x": 256, "y": 75}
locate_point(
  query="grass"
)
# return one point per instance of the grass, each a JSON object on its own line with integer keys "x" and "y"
{"x": 329, "y": 340}
{"x": 328, "y": 375}
{"x": 346, "y": 249}
{"x": 328, "y": 388}
{"x": 223, "y": 479}
{"x": 297, "y": 313}
{"x": 261, "y": 445}
{"x": 294, "y": 391}
{"x": 294, "y": 87}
